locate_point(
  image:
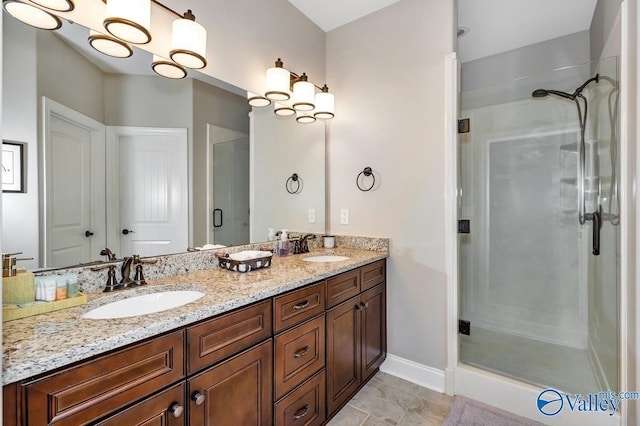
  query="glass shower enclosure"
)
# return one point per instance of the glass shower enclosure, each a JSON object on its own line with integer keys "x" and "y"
{"x": 542, "y": 307}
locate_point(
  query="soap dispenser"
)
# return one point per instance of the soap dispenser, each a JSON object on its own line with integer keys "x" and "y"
{"x": 283, "y": 244}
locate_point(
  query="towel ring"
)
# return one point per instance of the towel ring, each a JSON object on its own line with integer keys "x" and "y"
{"x": 366, "y": 172}
{"x": 289, "y": 184}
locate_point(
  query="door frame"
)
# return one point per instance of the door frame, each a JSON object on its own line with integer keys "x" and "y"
{"x": 214, "y": 137}
{"x": 52, "y": 108}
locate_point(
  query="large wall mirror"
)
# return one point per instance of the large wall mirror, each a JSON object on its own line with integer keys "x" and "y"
{"x": 119, "y": 157}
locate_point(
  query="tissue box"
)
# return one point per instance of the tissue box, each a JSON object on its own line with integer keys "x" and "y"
{"x": 20, "y": 288}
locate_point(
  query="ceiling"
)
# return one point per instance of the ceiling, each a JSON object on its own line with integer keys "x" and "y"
{"x": 494, "y": 26}
{"x": 330, "y": 14}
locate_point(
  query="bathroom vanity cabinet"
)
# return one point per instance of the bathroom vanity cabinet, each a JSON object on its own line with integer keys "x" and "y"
{"x": 292, "y": 359}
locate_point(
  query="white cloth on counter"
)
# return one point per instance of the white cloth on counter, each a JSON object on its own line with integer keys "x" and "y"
{"x": 249, "y": 254}
{"x": 210, "y": 247}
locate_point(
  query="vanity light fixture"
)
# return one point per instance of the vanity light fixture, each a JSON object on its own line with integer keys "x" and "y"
{"x": 57, "y": 5}
{"x": 31, "y": 15}
{"x": 257, "y": 100}
{"x": 305, "y": 117}
{"x": 188, "y": 42}
{"x": 167, "y": 68}
{"x": 293, "y": 93}
{"x": 284, "y": 109}
{"x": 129, "y": 20}
{"x": 325, "y": 103}
{"x": 109, "y": 45}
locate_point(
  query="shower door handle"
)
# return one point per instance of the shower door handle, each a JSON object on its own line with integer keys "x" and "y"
{"x": 596, "y": 217}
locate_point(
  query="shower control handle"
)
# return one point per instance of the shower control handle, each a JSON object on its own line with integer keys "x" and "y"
{"x": 596, "y": 217}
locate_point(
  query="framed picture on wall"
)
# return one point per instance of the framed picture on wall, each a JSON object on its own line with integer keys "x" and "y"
{"x": 14, "y": 166}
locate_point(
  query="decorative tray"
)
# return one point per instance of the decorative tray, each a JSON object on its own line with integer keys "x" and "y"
{"x": 14, "y": 312}
{"x": 245, "y": 261}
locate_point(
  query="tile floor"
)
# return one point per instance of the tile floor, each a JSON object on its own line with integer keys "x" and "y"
{"x": 388, "y": 400}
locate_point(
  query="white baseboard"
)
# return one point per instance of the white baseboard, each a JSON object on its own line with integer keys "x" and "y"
{"x": 423, "y": 375}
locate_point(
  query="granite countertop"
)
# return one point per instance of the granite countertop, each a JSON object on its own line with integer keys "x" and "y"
{"x": 34, "y": 345}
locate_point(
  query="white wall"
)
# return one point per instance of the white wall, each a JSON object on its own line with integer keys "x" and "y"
{"x": 284, "y": 147}
{"x": 19, "y": 105}
{"x": 388, "y": 69}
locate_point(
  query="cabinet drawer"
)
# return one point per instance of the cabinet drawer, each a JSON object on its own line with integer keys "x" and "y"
{"x": 373, "y": 274}
{"x": 298, "y": 306}
{"x": 165, "y": 409}
{"x": 305, "y": 405}
{"x": 220, "y": 337}
{"x": 96, "y": 388}
{"x": 298, "y": 353}
{"x": 343, "y": 287}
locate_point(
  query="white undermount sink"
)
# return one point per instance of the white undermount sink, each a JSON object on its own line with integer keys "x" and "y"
{"x": 325, "y": 258}
{"x": 145, "y": 304}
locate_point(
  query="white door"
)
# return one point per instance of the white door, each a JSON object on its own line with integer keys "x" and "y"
{"x": 228, "y": 170}
{"x": 74, "y": 214}
{"x": 149, "y": 182}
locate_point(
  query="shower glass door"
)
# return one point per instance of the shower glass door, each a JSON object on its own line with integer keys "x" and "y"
{"x": 542, "y": 308}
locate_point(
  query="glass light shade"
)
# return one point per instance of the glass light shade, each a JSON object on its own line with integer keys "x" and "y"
{"x": 31, "y": 15}
{"x": 109, "y": 45}
{"x": 303, "y": 95}
{"x": 304, "y": 117}
{"x": 278, "y": 80}
{"x": 129, "y": 20}
{"x": 188, "y": 43}
{"x": 324, "y": 105}
{"x": 167, "y": 68}
{"x": 257, "y": 100}
{"x": 283, "y": 110}
{"x": 59, "y": 5}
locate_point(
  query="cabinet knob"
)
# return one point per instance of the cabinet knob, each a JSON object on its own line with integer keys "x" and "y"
{"x": 198, "y": 398}
{"x": 176, "y": 409}
{"x": 359, "y": 307}
{"x": 301, "y": 412}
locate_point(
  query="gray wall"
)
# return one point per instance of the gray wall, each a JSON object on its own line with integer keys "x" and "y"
{"x": 604, "y": 20}
{"x": 388, "y": 69}
{"x": 535, "y": 59}
{"x": 211, "y": 105}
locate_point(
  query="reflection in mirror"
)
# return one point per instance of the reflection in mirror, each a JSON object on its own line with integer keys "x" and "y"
{"x": 139, "y": 163}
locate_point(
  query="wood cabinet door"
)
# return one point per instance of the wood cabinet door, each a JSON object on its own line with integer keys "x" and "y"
{"x": 343, "y": 353}
{"x": 235, "y": 392}
{"x": 164, "y": 409}
{"x": 374, "y": 329}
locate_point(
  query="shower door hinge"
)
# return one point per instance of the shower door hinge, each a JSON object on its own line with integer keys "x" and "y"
{"x": 464, "y": 125}
{"x": 464, "y": 226}
{"x": 464, "y": 327}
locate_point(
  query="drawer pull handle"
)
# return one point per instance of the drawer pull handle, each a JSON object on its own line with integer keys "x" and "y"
{"x": 301, "y": 412}
{"x": 198, "y": 398}
{"x": 301, "y": 305}
{"x": 301, "y": 352}
{"x": 176, "y": 410}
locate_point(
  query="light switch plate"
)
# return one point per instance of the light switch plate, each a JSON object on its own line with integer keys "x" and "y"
{"x": 344, "y": 216}
{"x": 311, "y": 215}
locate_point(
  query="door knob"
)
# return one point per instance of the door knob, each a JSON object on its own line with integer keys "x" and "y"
{"x": 127, "y": 231}
{"x": 88, "y": 234}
